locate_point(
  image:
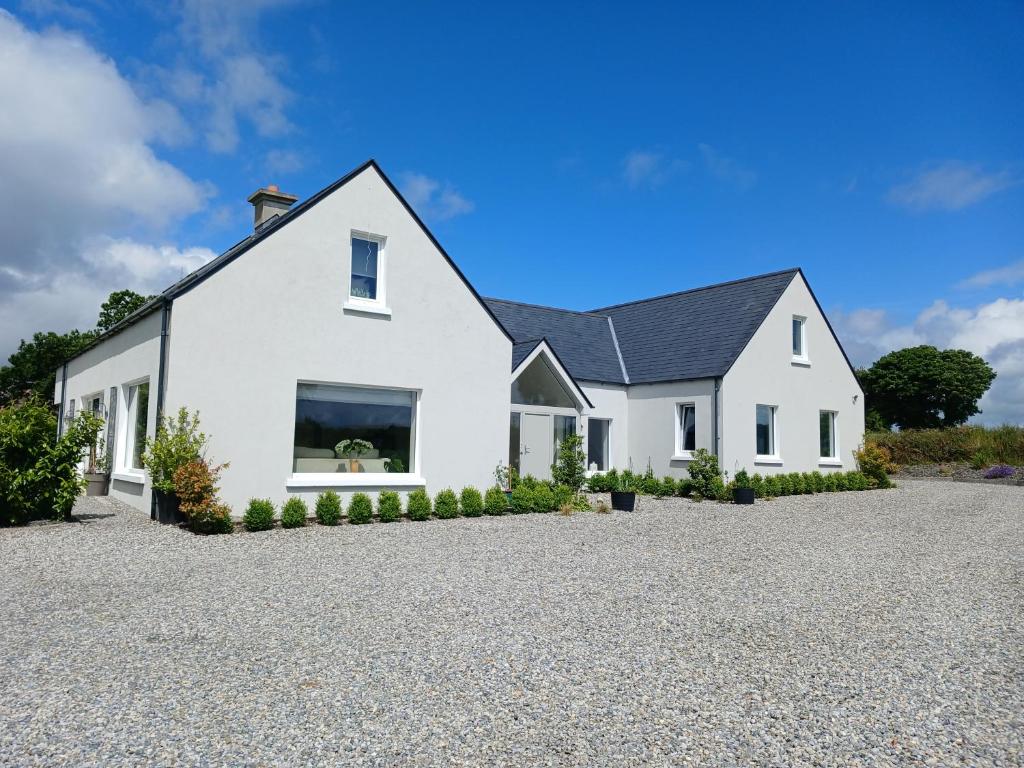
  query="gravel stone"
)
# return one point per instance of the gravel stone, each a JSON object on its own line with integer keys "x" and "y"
{"x": 874, "y": 628}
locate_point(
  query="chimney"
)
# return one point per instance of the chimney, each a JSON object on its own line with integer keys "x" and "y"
{"x": 268, "y": 202}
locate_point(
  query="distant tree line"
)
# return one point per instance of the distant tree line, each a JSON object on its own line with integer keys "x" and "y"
{"x": 31, "y": 370}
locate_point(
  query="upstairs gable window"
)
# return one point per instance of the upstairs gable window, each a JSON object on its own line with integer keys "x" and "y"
{"x": 367, "y": 273}
{"x": 799, "y": 339}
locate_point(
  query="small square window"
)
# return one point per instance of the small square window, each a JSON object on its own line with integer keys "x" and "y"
{"x": 765, "y": 432}
{"x": 827, "y": 434}
{"x": 799, "y": 337}
{"x": 367, "y": 278}
{"x": 686, "y": 428}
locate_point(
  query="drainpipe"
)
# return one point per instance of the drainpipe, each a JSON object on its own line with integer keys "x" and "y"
{"x": 60, "y": 411}
{"x": 165, "y": 312}
{"x": 714, "y": 420}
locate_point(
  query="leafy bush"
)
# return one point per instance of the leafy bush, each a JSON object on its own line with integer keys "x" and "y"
{"x": 178, "y": 441}
{"x": 875, "y": 462}
{"x": 360, "y": 509}
{"x": 999, "y": 471}
{"x": 195, "y": 485}
{"x": 259, "y": 516}
{"x": 471, "y": 502}
{"x": 543, "y": 499}
{"x": 830, "y": 482}
{"x": 294, "y": 513}
{"x": 570, "y": 466}
{"x": 783, "y": 485}
{"x": 389, "y": 506}
{"x": 810, "y": 485}
{"x": 705, "y": 473}
{"x": 1003, "y": 445}
{"x": 982, "y": 459}
{"x": 522, "y": 498}
{"x": 757, "y": 483}
{"x": 38, "y": 473}
{"x": 528, "y": 481}
{"x": 742, "y": 479}
{"x": 562, "y": 495}
{"x": 419, "y": 505}
{"x": 446, "y": 504}
{"x": 328, "y": 508}
{"x": 495, "y": 501}
{"x": 603, "y": 482}
{"x": 684, "y": 487}
{"x": 667, "y": 487}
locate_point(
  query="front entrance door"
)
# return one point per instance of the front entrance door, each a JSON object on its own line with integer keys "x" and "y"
{"x": 537, "y": 446}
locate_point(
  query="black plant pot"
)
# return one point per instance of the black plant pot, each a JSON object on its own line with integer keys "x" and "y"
{"x": 624, "y": 501}
{"x": 167, "y": 508}
{"x": 742, "y": 495}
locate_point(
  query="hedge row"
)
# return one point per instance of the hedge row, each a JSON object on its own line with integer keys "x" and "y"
{"x": 981, "y": 446}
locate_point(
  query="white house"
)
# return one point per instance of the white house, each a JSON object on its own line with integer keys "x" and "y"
{"x": 342, "y": 317}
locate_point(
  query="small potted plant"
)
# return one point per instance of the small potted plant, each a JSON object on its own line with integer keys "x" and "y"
{"x": 624, "y": 492}
{"x": 506, "y": 478}
{"x": 97, "y": 472}
{"x": 352, "y": 450}
{"x": 743, "y": 489}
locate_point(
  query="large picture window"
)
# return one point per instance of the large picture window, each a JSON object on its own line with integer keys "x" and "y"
{"x": 137, "y": 424}
{"x": 597, "y": 444}
{"x": 353, "y": 429}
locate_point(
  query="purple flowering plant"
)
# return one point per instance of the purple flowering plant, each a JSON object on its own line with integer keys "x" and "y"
{"x": 998, "y": 471}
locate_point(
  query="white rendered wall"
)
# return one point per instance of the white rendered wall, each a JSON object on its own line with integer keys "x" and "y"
{"x": 765, "y": 373}
{"x": 652, "y": 419}
{"x": 128, "y": 356}
{"x": 241, "y": 340}
{"x": 610, "y": 402}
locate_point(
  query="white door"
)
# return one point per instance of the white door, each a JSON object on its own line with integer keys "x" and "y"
{"x": 537, "y": 446}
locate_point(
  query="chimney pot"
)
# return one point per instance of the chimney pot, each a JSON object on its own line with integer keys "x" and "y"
{"x": 268, "y": 202}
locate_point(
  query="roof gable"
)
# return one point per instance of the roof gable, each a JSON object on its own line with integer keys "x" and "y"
{"x": 694, "y": 334}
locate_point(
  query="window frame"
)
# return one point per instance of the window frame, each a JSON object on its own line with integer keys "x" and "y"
{"x": 363, "y": 479}
{"x": 680, "y": 452}
{"x": 607, "y": 447}
{"x": 802, "y": 358}
{"x": 127, "y": 434}
{"x": 379, "y": 304}
{"x": 834, "y": 459}
{"x": 775, "y": 457}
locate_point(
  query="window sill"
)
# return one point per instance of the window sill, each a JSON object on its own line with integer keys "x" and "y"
{"x": 775, "y": 460}
{"x": 354, "y": 480}
{"x": 129, "y": 477}
{"x": 802, "y": 362}
{"x": 829, "y": 463}
{"x": 366, "y": 309}
{"x": 684, "y": 456}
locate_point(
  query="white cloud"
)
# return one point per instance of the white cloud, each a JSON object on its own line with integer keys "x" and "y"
{"x": 727, "y": 169}
{"x": 239, "y": 79}
{"x": 431, "y": 199}
{"x": 645, "y": 168}
{"x": 77, "y": 161}
{"x": 284, "y": 161}
{"x": 950, "y": 186}
{"x": 994, "y": 330}
{"x": 1004, "y": 276}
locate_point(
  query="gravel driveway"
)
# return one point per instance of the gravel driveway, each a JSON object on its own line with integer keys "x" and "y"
{"x": 876, "y": 628}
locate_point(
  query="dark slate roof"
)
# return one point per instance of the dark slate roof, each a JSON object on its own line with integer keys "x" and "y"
{"x": 583, "y": 341}
{"x": 693, "y": 334}
{"x": 521, "y": 350}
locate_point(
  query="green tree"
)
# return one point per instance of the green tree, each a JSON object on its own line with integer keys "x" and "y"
{"x": 117, "y": 307}
{"x": 32, "y": 369}
{"x": 569, "y": 468}
{"x": 924, "y": 387}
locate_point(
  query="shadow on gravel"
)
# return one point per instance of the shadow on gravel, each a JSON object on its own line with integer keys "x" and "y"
{"x": 89, "y": 517}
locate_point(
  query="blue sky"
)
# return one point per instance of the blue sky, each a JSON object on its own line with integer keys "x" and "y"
{"x": 576, "y": 156}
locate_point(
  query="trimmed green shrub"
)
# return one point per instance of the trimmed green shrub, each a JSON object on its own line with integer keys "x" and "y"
{"x": 796, "y": 483}
{"x": 757, "y": 483}
{"x": 214, "y": 520}
{"x": 328, "y": 508}
{"x": 495, "y": 501}
{"x": 419, "y": 505}
{"x": 528, "y": 481}
{"x": 684, "y": 487}
{"x": 471, "y": 502}
{"x": 830, "y": 482}
{"x": 810, "y": 486}
{"x": 562, "y": 494}
{"x": 783, "y": 486}
{"x": 570, "y": 464}
{"x": 389, "y": 506}
{"x": 294, "y": 513}
{"x": 360, "y": 509}
{"x": 446, "y": 504}
{"x": 259, "y": 515}
{"x": 667, "y": 487}
{"x": 706, "y": 474}
{"x": 603, "y": 482}
{"x": 876, "y": 464}
{"x": 522, "y": 499}
{"x": 817, "y": 482}
{"x": 543, "y": 499}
